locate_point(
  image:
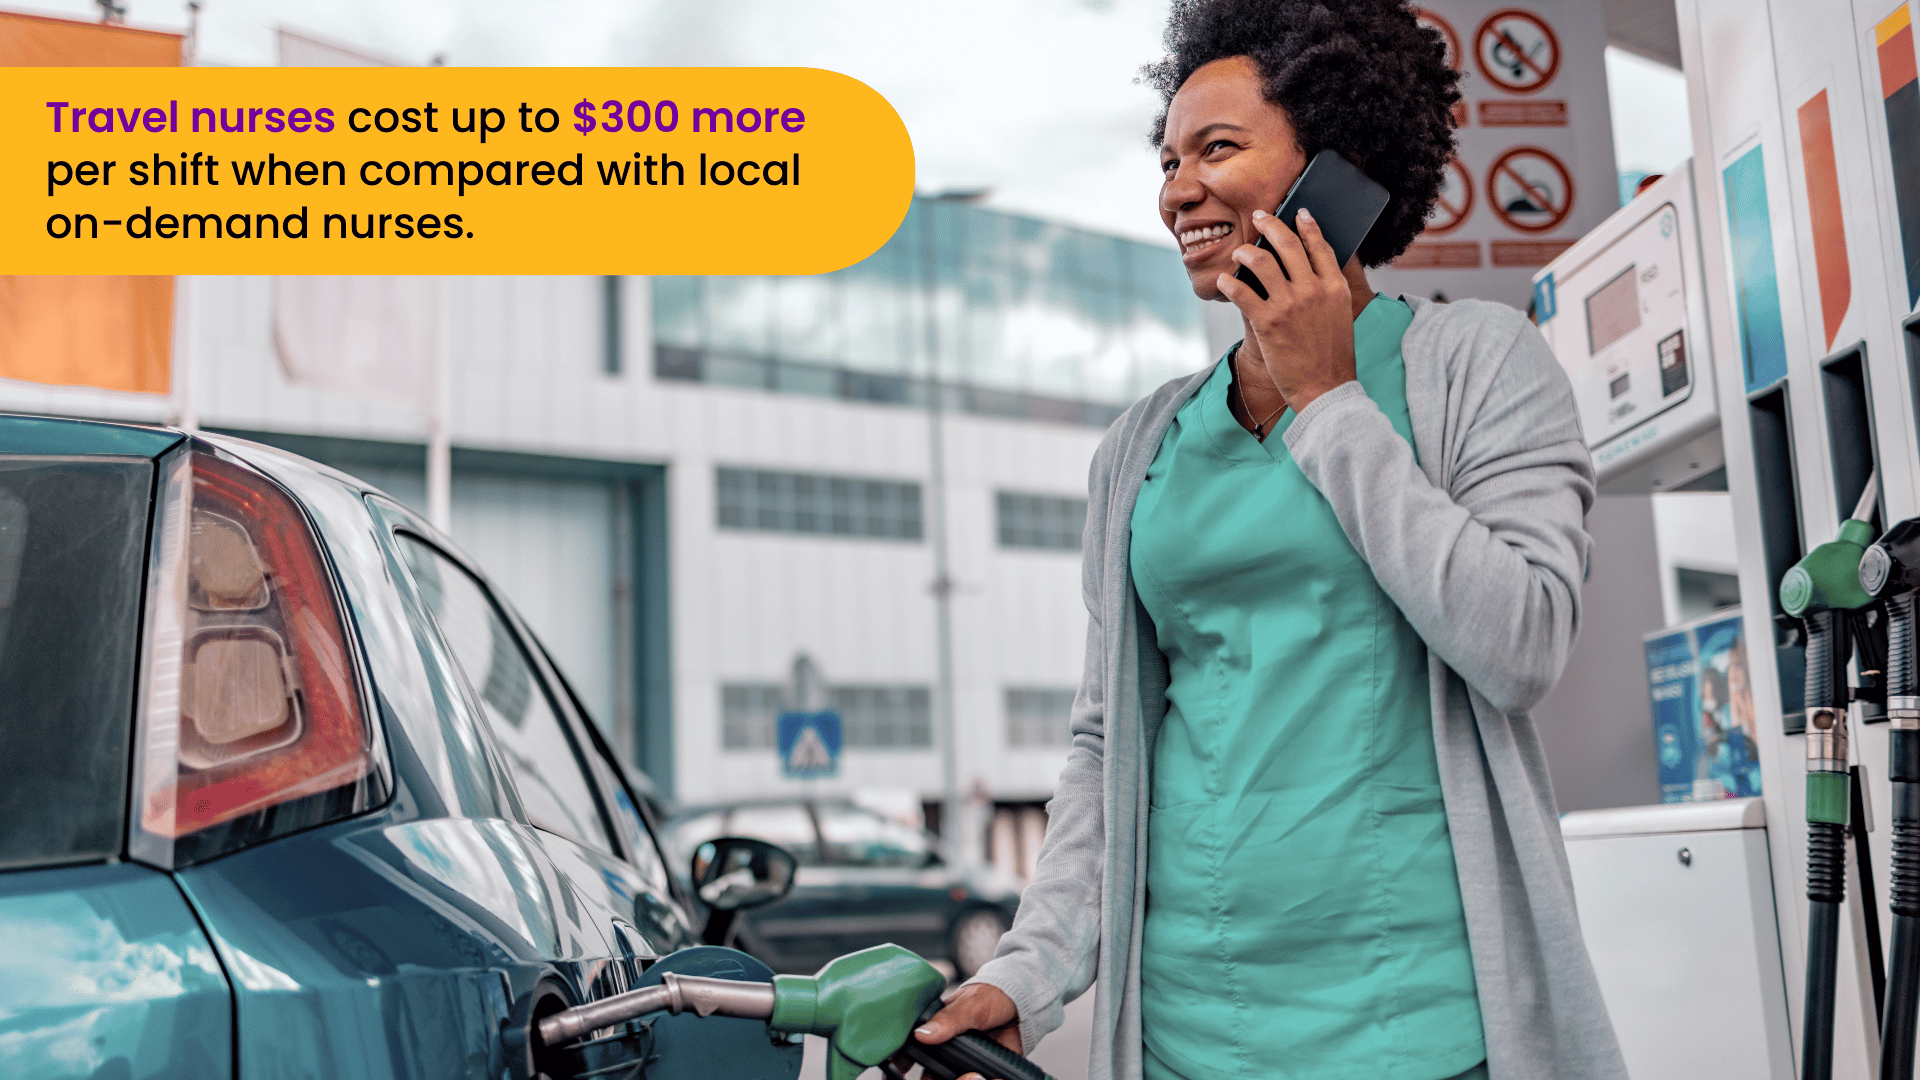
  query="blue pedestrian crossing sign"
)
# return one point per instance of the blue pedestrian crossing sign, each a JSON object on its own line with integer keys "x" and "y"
{"x": 809, "y": 744}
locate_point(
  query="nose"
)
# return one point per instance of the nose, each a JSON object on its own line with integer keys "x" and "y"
{"x": 1180, "y": 191}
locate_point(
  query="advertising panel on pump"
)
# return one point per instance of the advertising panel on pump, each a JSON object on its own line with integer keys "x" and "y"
{"x": 1704, "y": 730}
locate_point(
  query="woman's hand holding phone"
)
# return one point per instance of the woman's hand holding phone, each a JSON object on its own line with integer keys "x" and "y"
{"x": 1304, "y": 327}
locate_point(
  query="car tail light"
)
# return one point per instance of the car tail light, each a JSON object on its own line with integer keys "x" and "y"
{"x": 251, "y": 720}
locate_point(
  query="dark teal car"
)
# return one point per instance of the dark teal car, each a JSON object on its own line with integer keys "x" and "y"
{"x": 286, "y": 789}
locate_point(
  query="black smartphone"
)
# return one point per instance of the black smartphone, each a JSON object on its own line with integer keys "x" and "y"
{"x": 1345, "y": 201}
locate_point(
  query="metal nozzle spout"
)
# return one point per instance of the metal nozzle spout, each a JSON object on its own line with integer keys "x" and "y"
{"x": 675, "y": 994}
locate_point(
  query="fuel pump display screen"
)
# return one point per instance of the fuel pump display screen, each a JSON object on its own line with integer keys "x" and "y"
{"x": 1613, "y": 312}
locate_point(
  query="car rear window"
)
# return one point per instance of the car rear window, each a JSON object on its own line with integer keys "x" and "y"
{"x": 73, "y": 534}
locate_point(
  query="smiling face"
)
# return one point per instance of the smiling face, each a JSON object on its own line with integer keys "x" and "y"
{"x": 1227, "y": 152}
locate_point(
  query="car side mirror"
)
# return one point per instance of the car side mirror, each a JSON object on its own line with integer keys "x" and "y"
{"x": 734, "y": 873}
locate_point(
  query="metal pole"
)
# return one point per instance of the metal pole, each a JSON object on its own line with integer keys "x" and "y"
{"x": 186, "y": 414}
{"x": 439, "y": 441}
{"x": 193, "y": 33}
{"x": 944, "y": 718}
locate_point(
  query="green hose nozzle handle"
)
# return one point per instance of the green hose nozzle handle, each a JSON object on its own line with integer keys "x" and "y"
{"x": 1828, "y": 579}
{"x": 866, "y": 1004}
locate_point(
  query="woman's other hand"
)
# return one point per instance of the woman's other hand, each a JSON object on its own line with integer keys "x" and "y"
{"x": 974, "y": 1007}
{"x": 1304, "y": 328}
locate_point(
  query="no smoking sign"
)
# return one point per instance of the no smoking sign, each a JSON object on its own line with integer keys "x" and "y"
{"x": 1530, "y": 189}
{"x": 1517, "y": 51}
{"x": 1534, "y": 169}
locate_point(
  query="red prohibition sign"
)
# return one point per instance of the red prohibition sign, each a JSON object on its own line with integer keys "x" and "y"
{"x": 1539, "y": 200}
{"x": 1452, "y": 39}
{"x": 1450, "y": 212}
{"x": 1507, "y": 46}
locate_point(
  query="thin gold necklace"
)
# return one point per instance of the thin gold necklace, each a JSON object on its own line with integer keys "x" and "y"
{"x": 1233, "y": 387}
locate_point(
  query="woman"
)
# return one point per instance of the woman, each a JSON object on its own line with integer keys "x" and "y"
{"x": 1305, "y": 828}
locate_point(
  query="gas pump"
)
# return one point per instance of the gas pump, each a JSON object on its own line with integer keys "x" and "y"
{"x": 1789, "y": 288}
{"x": 1823, "y": 590}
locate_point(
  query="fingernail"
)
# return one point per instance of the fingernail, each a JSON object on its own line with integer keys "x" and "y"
{"x": 924, "y": 1029}
{"x": 1258, "y": 214}
{"x": 1306, "y": 213}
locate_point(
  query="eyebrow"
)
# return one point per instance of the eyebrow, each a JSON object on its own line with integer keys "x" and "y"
{"x": 1215, "y": 126}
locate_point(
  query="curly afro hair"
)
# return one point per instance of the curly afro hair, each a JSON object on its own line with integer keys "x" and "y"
{"x": 1361, "y": 77}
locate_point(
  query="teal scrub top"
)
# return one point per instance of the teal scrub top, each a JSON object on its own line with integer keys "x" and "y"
{"x": 1303, "y": 913}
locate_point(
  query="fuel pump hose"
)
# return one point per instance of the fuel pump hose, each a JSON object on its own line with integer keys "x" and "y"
{"x": 1903, "y": 980}
{"x": 1820, "y": 590}
{"x": 1828, "y": 796}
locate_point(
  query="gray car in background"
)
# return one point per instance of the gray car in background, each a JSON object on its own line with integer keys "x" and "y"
{"x": 864, "y": 879}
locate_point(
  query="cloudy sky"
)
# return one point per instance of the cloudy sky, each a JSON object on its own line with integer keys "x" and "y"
{"x": 1034, "y": 99}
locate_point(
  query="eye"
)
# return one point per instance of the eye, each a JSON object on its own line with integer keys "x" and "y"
{"x": 1167, "y": 165}
{"x": 1216, "y": 144}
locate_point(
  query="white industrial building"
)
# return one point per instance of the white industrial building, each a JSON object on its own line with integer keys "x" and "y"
{"x": 686, "y": 483}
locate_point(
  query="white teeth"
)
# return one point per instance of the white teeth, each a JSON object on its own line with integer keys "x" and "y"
{"x": 1193, "y": 237}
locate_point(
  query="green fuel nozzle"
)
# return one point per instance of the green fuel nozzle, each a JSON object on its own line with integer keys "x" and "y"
{"x": 865, "y": 1004}
{"x": 1819, "y": 590}
{"x": 1828, "y": 579}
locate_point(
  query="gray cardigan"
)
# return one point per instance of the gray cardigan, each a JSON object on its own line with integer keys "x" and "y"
{"x": 1482, "y": 544}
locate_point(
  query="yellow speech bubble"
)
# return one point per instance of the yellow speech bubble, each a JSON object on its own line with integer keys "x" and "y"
{"x": 446, "y": 170}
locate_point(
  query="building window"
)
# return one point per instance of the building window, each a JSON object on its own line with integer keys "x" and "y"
{"x": 1118, "y": 318}
{"x": 824, "y": 505}
{"x": 846, "y": 384}
{"x": 747, "y": 712}
{"x": 1038, "y": 717}
{"x": 1041, "y": 521}
{"x": 884, "y": 717}
{"x": 871, "y": 717}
